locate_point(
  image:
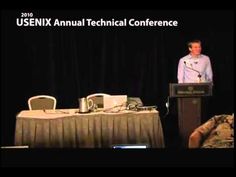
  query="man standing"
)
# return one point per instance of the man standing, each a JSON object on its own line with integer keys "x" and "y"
{"x": 195, "y": 67}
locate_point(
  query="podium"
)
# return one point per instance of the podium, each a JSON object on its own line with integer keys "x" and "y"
{"x": 189, "y": 97}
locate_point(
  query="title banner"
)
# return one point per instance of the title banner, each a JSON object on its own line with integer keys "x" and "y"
{"x": 27, "y": 19}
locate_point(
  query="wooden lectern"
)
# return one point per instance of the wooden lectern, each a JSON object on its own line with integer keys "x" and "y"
{"x": 189, "y": 105}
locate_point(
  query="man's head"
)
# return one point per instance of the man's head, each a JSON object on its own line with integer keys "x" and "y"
{"x": 194, "y": 47}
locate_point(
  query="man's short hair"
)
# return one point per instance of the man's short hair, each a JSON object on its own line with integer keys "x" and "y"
{"x": 193, "y": 41}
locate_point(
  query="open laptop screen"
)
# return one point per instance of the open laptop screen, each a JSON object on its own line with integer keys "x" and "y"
{"x": 135, "y": 146}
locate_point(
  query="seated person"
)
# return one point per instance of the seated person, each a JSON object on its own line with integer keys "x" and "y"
{"x": 218, "y": 132}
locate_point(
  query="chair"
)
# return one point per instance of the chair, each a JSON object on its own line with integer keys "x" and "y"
{"x": 97, "y": 98}
{"x": 42, "y": 102}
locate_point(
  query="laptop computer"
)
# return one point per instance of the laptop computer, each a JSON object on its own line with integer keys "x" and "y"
{"x": 130, "y": 146}
{"x": 114, "y": 101}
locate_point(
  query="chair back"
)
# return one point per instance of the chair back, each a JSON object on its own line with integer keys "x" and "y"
{"x": 135, "y": 101}
{"x": 42, "y": 102}
{"x": 98, "y": 99}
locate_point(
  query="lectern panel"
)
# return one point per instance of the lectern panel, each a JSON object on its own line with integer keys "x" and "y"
{"x": 190, "y": 90}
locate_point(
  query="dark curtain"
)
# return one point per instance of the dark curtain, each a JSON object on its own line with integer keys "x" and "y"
{"x": 72, "y": 62}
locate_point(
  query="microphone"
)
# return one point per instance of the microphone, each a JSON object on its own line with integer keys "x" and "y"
{"x": 199, "y": 74}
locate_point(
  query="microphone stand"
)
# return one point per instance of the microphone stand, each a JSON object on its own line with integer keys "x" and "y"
{"x": 199, "y": 75}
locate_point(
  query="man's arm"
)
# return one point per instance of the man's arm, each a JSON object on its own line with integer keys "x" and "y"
{"x": 180, "y": 72}
{"x": 209, "y": 73}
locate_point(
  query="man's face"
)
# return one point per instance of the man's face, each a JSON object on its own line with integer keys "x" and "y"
{"x": 195, "y": 49}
